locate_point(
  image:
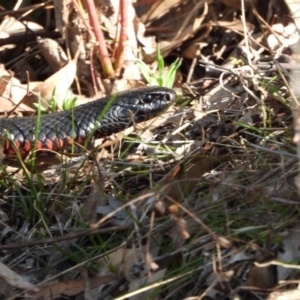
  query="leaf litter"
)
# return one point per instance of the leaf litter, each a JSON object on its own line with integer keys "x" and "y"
{"x": 199, "y": 202}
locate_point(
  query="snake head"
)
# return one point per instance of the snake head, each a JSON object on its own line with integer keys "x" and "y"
{"x": 143, "y": 103}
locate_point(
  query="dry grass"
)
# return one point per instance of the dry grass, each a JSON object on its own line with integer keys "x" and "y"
{"x": 201, "y": 203}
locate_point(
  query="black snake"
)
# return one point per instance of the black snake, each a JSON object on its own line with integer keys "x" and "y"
{"x": 100, "y": 118}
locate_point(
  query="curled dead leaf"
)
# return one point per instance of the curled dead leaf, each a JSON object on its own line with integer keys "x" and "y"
{"x": 70, "y": 287}
{"x": 56, "y": 85}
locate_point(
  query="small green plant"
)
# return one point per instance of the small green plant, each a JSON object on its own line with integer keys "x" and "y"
{"x": 69, "y": 103}
{"x": 160, "y": 78}
{"x": 54, "y": 103}
{"x": 39, "y": 107}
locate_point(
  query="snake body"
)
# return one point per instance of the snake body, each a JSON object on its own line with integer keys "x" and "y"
{"x": 100, "y": 118}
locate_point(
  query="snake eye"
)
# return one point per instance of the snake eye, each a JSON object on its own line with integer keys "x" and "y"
{"x": 148, "y": 98}
{"x": 151, "y": 94}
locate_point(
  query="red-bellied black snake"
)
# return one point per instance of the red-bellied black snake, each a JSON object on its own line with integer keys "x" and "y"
{"x": 101, "y": 117}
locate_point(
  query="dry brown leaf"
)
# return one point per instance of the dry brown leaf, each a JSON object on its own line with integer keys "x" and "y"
{"x": 135, "y": 284}
{"x": 123, "y": 259}
{"x": 224, "y": 242}
{"x": 95, "y": 198}
{"x": 236, "y": 25}
{"x": 120, "y": 216}
{"x": 4, "y": 80}
{"x": 14, "y": 279}
{"x": 261, "y": 277}
{"x": 290, "y": 253}
{"x": 186, "y": 32}
{"x": 179, "y": 233}
{"x": 11, "y": 25}
{"x": 6, "y": 105}
{"x": 75, "y": 167}
{"x": 70, "y": 287}
{"x": 12, "y": 91}
{"x": 158, "y": 9}
{"x": 57, "y": 85}
{"x": 287, "y": 295}
{"x": 193, "y": 51}
{"x": 195, "y": 168}
{"x": 181, "y": 31}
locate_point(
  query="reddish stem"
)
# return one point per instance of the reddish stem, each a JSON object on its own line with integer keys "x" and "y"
{"x": 103, "y": 53}
{"x": 123, "y": 34}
